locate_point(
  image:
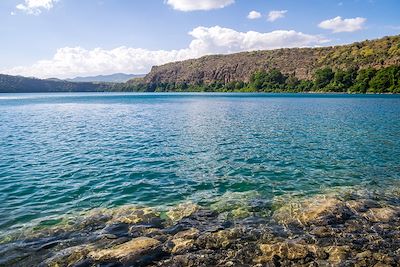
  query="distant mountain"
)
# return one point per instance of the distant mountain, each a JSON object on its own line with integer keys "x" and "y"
{"x": 19, "y": 84}
{"x": 113, "y": 78}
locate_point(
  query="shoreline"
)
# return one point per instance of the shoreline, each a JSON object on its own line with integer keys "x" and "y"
{"x": 200, "y": 92}
{"x": 346, "y": 226}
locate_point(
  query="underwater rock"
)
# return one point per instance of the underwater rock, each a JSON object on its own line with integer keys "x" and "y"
{"x": 188, "y": 234}
{"x": 219, "y": 240}
{"x": 184, "y": 241}
{"x": 385, "y": 214}
{"x": 324, "y": 230}
{"x": 182, "y": 245}
{"x": 285, "y": 250}
{"x": 67, "y": 257}
{"x": 134, "y": 215}
{"x": 337, "y": 254}
{"x": 181, "y": 211}
{"x": 320, "y": 210}
{"x": 128, "y": 253}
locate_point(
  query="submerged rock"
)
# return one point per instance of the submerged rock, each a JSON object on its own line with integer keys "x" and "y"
{"x": 385, "y": 214}
{"x": 67, "y": 257}
{"x": 291, "y": 251}
{"x": 181, "y": 211}
{"x": 133, "y": 252}
{"x": 319, "y": 211}
{"x": 325, "y": 230}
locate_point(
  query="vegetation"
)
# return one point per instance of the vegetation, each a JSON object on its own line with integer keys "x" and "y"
{"x": 352, "y": 80}
{"x": 18, "y": 84}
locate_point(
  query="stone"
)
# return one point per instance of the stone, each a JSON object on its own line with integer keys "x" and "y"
{"x": 192, "y": 233}
{"x": 182, "y": 245}
{"x": 219, "y": 240}
{"x": 319, "y": 210}
{"x": 337, "y": 254}
{"x": 285, "y": 250}
{"x": 134, "y": 215}
{"x": 67, "y": 257}
{"x": 385, "y": 214}
{"x": 184, "y": 241}
{"x": 240, "y": 213}
{"x": 182, "y": 211}
{"x": 127, "y": 253}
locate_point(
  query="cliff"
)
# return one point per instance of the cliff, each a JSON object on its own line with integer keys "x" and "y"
{"x": 301, "y": 62}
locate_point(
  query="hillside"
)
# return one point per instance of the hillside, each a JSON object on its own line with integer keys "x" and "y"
{"x": 113, "y": 78}
{"x": 18, "y": 84}
{"x": 301, "y": 63}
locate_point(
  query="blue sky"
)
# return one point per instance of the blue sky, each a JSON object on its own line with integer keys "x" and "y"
{"x": 66, "y": 38}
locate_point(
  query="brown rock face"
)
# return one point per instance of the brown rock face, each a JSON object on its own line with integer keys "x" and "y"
{"x": 301, "y": 62}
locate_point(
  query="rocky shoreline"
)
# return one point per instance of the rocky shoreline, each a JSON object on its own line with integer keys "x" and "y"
{"x": 352, "y": 228}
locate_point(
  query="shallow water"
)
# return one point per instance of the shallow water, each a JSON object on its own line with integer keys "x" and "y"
{"x": 64, "y": 153}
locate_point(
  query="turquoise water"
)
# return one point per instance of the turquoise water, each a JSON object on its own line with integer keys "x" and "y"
{"x": 61, "y": 153}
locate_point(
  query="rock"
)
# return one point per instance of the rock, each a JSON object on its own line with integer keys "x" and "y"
{"x": 240, "y": 213}
{"x": 362, "y": 205}
{"x": 363, "y": 259}
{"x": 134, "y": 215}
{"x": 188, "y": 234}
{"x": 67, "y": 257}
{"x": 319, "y": 210}
{"x": 337, "y": 254}
{"x": 285, "y": 250}
{"x": 182, "y": 245}
{"x": 383, "y": 258}
{"x": 181, "y": 211}
{"x": 219, "y": 240}
{"x": 184, "y": 241}
{"x": 128, "y": 253}
{"x": 116, "y": 229}
{"x": 385, "y": 214}
{"x": 379, "y": 264}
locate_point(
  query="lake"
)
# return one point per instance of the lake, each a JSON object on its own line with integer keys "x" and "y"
{"x": 64, "y": 154}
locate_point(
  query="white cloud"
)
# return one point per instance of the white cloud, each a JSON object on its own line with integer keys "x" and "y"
{"x": 254, "y": 15}
{"x": 77, "y": 61}
{"x": 192, "y": 5}
{"x": 276, "y": 14}
{"x": 343, "y": 25}
{"x": 35, "y": 7}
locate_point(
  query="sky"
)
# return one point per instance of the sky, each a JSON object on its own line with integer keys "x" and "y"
{"x": 69, "y": 38}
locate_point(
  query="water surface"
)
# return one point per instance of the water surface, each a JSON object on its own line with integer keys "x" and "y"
{"x": 63, "y": 153}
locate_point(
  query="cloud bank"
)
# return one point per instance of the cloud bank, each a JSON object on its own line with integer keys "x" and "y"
{"x": 35, "y": 7}
{"x": 193, "y": 5}
{"x": 339, "y": 24}
{"x": 77, "y": 61}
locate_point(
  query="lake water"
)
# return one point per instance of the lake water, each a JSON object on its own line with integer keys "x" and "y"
{"x": 64, "y": 153}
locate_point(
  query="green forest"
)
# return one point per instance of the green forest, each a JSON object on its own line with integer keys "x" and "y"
{"x": 352, "y": 80}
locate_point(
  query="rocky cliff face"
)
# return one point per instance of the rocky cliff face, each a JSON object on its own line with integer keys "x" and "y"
{"x": 301, "y": 62}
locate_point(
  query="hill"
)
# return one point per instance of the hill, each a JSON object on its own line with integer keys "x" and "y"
{"x": 113, "y": 78}
{"x": 295, "y": 66}
{"x": 301, "y": 62}
{"x": 18, "y": 84}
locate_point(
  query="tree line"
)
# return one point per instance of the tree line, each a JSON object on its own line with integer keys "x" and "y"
{"x": 351, "y": 80}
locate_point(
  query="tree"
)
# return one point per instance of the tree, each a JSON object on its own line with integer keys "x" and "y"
{"x": 323, "y": 77}
{"x": 383, "y": 81}
{"x": 364, "y": 76}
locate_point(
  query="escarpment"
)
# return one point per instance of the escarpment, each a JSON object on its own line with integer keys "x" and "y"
{"x": 300, "y": 62}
